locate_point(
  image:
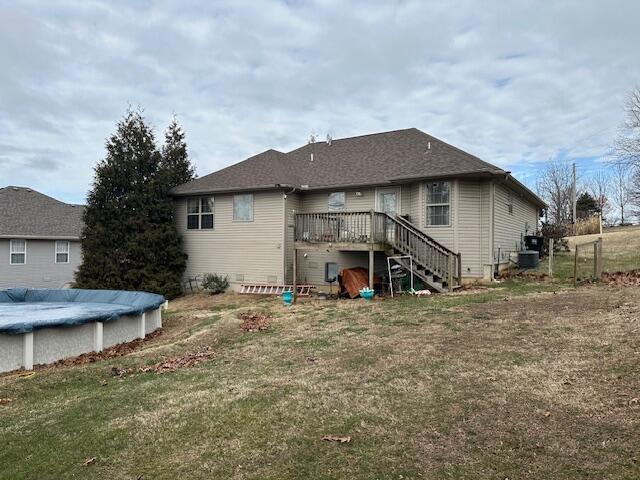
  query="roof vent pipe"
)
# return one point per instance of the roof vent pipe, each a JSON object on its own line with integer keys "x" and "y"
{"x": 329, "y": 139}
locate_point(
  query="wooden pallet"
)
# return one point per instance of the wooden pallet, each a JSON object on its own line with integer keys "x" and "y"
{"x": 273, "y": 289}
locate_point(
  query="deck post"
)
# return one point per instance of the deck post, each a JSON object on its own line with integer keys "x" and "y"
{"x": 450, "y": 273}
{"x": 371, "y": 264}
{"x": 372, "y": 229}
{"x": 295, "y": 275}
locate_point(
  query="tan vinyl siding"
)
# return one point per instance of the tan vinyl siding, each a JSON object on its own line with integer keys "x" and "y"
{"x": 510, "y": 228}
{"x": 318, "y": 201}
{"x": 252, "y": 249}
{"x": 40, "y": 270}
{"x": 470, "y": 228}
{"x": 485, "y": 223}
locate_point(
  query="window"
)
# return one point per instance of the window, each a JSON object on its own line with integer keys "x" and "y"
{"x": 336, "y": 201}
{"x": 62, "y": 252}
{"x": 438, "y": 204}
{"x": 243, "y": 207}
{"x": 18, "y": 252}
{"x": 200, "y": 213}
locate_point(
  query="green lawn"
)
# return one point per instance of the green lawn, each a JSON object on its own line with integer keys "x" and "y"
{"x": 516, "y": 381}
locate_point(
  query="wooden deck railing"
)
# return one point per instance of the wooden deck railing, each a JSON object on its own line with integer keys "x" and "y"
{"x": 380, "y": 228}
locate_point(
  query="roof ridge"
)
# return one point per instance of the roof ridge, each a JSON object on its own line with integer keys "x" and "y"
{"x": 333, "y": 140}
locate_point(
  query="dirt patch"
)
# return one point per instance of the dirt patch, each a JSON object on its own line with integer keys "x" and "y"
{"x": 180, "y": 361}
{"x": 630, "y": 278}
{"x": 254, "y": 321}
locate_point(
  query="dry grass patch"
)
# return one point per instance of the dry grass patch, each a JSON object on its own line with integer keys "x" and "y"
{"x": 488, "y": 385}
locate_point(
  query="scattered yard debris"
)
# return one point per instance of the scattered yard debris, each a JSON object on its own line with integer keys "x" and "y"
{"x": 336, "y": 438}
{"x": 181, "y": 361}
{"x": 547, "y": 413}
{"x": 5, "y": 401}
{"x": 111, "y": 352}
{"x": 630, "y": 278}
{"x": 634, "y": 401}
{"x": 254, "y": 321}
{"x": 89, "y": 461}
{"x": 117, "y": 371}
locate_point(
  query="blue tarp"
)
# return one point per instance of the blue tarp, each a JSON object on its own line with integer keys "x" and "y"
{"x": 24, "y": 310}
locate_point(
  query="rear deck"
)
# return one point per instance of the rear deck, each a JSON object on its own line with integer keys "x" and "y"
{"x": 374, "y": 231}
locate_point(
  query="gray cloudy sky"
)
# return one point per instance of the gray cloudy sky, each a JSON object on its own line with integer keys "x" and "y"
{"x": 514, "y": 82}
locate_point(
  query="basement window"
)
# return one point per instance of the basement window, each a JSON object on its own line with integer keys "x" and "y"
{"x": 438, "y": 204}
{"x": 336, "y": 201}
{"x": 200, "y": 213}
{"x": 62, "y": 251}
{"x": 17, "y": 252}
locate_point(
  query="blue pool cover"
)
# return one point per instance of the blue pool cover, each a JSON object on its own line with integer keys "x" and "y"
{"x": 24, "y": 310}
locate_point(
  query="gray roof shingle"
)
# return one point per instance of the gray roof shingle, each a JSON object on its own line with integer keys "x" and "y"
{"x": 25, "y": 212}
{"x": 375, "y": 159}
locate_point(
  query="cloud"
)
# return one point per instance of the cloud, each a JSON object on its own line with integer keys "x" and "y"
{"x": 514, "y": 85}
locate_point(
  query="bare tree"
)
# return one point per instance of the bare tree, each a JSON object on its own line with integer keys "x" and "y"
{"x": 627, "y": 157}
{"x": 554, "y": 185}
{"x": 627, "y": 145}
{"x": 621, "y": 189}
{"x": 599, "y": 185}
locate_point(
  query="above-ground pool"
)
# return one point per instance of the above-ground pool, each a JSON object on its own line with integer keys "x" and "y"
{"x": 39, "y": 326}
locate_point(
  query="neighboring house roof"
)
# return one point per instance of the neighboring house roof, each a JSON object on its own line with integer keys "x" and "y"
{"x": 382, "y": 158}
{"x": 26, "y": 213}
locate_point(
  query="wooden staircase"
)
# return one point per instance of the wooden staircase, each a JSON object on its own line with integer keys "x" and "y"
{"x": 437, "y": 266}
{"x": 433, "y": 263}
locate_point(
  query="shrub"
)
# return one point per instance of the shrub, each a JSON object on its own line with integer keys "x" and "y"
{"x": 214, "y": 283}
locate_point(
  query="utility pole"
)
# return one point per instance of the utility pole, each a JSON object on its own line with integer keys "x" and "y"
{"x": 573, "y": 200}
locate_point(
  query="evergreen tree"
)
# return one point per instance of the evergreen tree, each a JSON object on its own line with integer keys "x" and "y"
{"x": 586, "y": 205}
{"x": 175, "y": 160}
{"x": 130, "y": 241}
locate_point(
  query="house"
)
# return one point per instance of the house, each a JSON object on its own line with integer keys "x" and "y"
{"x": 283, "y": 217}
{"x": 39, "y": 239}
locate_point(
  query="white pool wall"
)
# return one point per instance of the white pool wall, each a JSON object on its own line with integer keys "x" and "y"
{"x": 48, "y": 345}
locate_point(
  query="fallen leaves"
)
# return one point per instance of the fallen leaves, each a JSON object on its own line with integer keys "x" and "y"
{"x": 254, "y": 321}
{"x": 634, "y": 401}
{"x": 111, "y": 352}
{"x": 547, "y": 413}
{"x": 337, "y": 438}
{"x": 5, "y": 401}
{"x": 630, "y": 278}
{"x": 181, "y": 361}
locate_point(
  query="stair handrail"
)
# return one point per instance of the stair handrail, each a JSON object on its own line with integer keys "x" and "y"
{"x": 410, "y": 226}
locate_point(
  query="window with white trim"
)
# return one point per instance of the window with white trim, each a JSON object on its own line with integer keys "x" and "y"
{"x": 18, "y": 252}
{"x": 243, "y": 207}
{"x": 438, "y": 204}
{"x": 336, "y": 201}
{"x": 62, "y": 251}
{"x": 200, "y": 211}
